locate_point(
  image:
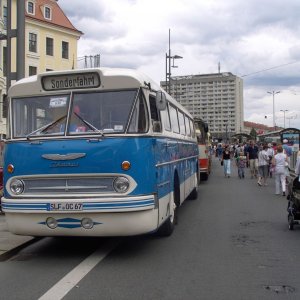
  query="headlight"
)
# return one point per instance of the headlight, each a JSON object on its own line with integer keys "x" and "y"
{"x": 17, "y": 186}
{"x": 121, "y": 184}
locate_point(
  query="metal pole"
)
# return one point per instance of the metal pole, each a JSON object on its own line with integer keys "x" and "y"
{"x": 274, "y": 125}
{"x": 169, "y": 61}
{"x": 273, "y": 94}
{"x": 167, "y": 72}
{"x": 8, "y": 47}
{"x": 20, "y": 39}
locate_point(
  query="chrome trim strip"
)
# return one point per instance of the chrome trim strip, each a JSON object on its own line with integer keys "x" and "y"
{"x": 69, "y": 156}
{"x": 163, "y": 183}
{"x": 175, "y": 161}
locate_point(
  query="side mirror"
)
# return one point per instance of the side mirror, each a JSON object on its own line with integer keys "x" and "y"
{"x": 161, "y": 100}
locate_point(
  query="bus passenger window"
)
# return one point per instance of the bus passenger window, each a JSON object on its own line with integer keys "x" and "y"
{"x": 155, "y": 120}
{"x": 181, "y": 123}
{"x": 187, "y": 123}
{"x": 166, "y": 118}
{"x": 192, "y": 128}
{"x": 174, "y": 119}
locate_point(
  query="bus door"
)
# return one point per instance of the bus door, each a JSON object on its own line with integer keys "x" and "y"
{"x": 160, "y": 150}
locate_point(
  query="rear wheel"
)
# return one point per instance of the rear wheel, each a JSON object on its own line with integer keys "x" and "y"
{"x": 194, "y": 193}
{"x": 204, "y": 176}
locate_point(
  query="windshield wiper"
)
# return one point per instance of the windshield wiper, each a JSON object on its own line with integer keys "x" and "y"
{"x": 45, "y": 127}
{"x": 88, "y": 124}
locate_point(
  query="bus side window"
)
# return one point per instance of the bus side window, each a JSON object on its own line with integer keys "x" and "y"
{"x": 181, "y": 123}
{"x": 188, "y": 128}
{"x": 192, "y": 128}
{"x": 165, "y": 117}
{"x": 174, "y": 119}
{"x": 155, "y": 119}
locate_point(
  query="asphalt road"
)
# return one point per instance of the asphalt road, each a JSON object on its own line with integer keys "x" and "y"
{"x": 231, "y": 243}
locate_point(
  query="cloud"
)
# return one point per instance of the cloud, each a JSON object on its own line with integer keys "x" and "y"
{"x": 257, "y": 38}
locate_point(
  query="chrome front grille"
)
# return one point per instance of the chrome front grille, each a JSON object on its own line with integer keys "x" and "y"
{"x": 71, "y": 185}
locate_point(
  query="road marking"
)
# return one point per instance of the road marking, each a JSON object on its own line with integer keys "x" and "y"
{"x": 60, "y": 289}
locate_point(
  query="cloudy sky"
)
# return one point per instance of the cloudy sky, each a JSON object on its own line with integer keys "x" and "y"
{"x": 257, "y": 40}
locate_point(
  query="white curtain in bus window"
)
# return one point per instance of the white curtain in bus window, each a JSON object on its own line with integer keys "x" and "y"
{"x": 187, "y": 125}
{"x": 107, "y": 112}
{"x": 174, "y": 118}
{"x": 166, "y": 119}
{"x": 181, "y": 123}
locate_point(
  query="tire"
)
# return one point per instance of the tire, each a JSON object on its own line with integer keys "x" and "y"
{"x": 167, "y": 228}
{"x": 194, "y": 194}
{"x": 204, "y": 176}
{"x": 291, "y": 222}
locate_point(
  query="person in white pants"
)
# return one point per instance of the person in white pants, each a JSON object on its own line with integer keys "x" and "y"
{"x": 279, "y": 163}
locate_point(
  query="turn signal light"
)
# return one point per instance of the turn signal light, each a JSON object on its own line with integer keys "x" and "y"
{"x": 126, "y": 165}
{"x": 10, "y": 168}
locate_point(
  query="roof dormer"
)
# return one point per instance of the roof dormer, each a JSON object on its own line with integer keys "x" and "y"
{"x": 30, "y": 7}
{"x": 47, "y": 12}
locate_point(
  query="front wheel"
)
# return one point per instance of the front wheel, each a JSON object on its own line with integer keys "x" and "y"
{"x": 167, "y": 228}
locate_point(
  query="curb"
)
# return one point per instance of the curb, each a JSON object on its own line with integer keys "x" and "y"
{"x": 12, "y": 252}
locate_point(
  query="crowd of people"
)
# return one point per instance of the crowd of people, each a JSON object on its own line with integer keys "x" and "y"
{"x": 264, "y": 161}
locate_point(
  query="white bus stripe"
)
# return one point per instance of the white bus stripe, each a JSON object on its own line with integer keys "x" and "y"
{"x": 62, "y": 288}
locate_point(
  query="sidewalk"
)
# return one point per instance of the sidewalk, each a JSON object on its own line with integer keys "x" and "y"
{"x": 9, "y": 241}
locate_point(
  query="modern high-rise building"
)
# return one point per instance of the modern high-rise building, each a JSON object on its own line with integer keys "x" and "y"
{"x": 215, "y": 98}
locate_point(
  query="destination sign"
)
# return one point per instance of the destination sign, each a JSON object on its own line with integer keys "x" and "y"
{"x": 70, "y": 81}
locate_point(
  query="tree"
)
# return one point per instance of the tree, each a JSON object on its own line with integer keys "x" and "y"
{"x": 253, "y": 133}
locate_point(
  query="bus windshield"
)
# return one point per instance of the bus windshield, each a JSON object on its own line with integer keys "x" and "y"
{"x": 89, "y": 113}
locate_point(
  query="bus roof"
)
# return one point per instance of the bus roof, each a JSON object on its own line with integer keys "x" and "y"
{"x": 109, "y": 79}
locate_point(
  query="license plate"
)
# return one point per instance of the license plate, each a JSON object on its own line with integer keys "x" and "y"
{"x": 68, "y": 206}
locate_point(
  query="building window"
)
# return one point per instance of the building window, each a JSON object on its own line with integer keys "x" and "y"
{"x": 5, "y": 106}
{"x": 49, "y": 46}
{"x": 5, "y": 17}
{"x": 30, "y": 7}
{"x": 65, "y": 50}
{"x": 32, "y": 42}
{"x": 32, "y": 70}
{"x": 47, "y": 13}
{"x": 4, "y": 61}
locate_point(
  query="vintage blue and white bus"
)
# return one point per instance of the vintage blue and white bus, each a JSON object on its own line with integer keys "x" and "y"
{"x": 96, "y": 152}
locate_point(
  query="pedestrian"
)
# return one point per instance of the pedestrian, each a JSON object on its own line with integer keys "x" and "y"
{"x": 279, "y": 163}
{"x": 252, "y": 158}
{"x": 226, "y": 161}
{"x": 271, "y": 154}
{"x": 288, "y": 151}
{"x": 263, "y": 166}
{"x": 219, "y": 151}
{"x": 241, "y": 164}
{"x": 286, "y": 148}
{"x": 297, "y": 167}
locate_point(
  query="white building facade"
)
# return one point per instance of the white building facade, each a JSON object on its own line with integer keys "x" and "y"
{"x": 215, "y": 98}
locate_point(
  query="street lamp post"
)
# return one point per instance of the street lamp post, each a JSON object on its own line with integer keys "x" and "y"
{"x": 168, "y": 65}
{"x": 283, "y": 110}
{"x": 274, "y": 93}
{"x": 226, "y": 131}
{"x": 290, "y": 118}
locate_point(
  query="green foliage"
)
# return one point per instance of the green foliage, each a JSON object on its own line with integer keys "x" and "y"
{"x": 253, "y": 133}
